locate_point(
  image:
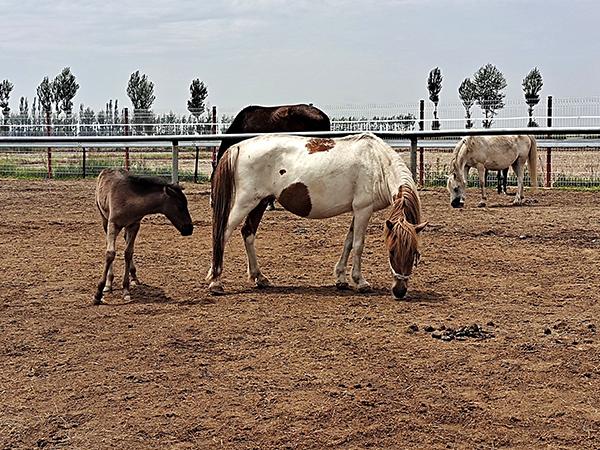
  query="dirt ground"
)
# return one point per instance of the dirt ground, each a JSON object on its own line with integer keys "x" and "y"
{"x": 301, "y": 365}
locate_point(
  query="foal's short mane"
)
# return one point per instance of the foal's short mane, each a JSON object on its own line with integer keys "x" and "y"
{"x": 143, "y": 185}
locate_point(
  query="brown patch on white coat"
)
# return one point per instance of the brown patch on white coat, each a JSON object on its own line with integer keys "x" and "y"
{"x": 316, "y": 145}
{"x": 296, "y": 199}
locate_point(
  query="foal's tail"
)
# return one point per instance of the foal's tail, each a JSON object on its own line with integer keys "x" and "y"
{"x": 532, "y": 163}
{"x": 223, "y": 194}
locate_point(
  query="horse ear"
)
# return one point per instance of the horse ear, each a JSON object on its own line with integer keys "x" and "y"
{"x": 420, "y": 227}
{"x": 389, "y": 224}
{"x": 170, "y": 190}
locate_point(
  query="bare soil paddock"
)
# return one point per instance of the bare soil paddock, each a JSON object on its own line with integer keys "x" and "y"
{"x": 301, "y": 365}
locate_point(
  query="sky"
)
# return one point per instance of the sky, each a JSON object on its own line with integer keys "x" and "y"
{"x": 328, "y": 52}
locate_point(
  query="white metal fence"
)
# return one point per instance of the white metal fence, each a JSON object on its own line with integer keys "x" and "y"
{"x": 563, "y": 112}
{"x": 570, "y": 158}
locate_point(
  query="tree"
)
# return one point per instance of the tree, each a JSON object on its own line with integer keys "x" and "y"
{"x": 466, "y": 92}
{"x": 44, "y": 95}
{"x": 140, "y": 91}
{"x": 489, "y": 83}
{"x": 434, "y": 85}
{"x": 532, "y": 85}
{"x": 5, "y": 89}
{"x": 64, "y": 89}
{"x": 198, "y": 94}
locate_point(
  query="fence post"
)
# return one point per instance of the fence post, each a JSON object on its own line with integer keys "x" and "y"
{"x": 413, "y": 157}
{"x": 48, "y": 132}
{"x": 126, "y": 119}
{"x": 83, "y": 166}
{"x": 214, "y": 131}
{"x": 421, "y": 151}
{"x": 175, "y": 169}
{"x": 196, "y": 164}
{"x": 549, "y": 149}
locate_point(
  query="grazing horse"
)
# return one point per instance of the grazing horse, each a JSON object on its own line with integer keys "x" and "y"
{"x": 494, "y": 153}
{"x": 318, "y": 178}
{"x": 123, "y": 200}
{"x": 274, "y": 119}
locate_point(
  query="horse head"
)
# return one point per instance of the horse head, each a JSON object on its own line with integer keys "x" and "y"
{"x": 175, "y": 207}
{"x": 456, "y": 188}
{"x": 403, "y": 246}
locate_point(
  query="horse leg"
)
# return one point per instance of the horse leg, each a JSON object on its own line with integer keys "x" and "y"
{"x": 499, "y": 179}
{"x": 240, "y": 210}
{"x": 361, "y": 220}
{"x": 111, "y": 238}
{"x": 249, "y": 234}
{"x": 481, "y": 170}
{"x": 504, "y": 179}
{"x": 132, "y": 269}
{"x": 340, "y": 268}
{"x": 130, "y": 234}
{"x": 518, "y": 168}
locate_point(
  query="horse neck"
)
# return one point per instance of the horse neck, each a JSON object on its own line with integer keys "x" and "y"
{"x": 458, "y": 160}
{"x": 151, "y": 202}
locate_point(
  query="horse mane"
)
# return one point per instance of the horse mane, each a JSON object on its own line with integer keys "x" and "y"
{"x": 466, "y": 141}
{"x": 143, "y": 184}
{"x": 406, "y": 211}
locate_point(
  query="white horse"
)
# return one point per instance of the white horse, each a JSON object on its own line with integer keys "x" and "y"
{"x": 493, "y": 153}
{"x": 317, "y": 178}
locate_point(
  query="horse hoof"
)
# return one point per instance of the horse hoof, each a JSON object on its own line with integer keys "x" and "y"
{"x": 107, "y": 289}
{"x": 127, "y": 298}
{"x": 342, "y": 286}
{"x": 135, "y": 282}
{"x": 97, "y": 301}
{"x": 263, "y": 283}
{"x": 481, "y": 204}
{"x": 363, "y": 289}
{"x": 216, "y": 289}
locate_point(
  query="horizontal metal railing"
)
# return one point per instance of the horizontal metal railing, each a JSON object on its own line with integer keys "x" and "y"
{"x": 393, "y": 137}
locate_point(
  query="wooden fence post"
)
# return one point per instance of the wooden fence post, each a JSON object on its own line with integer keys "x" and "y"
{"x": 48, "y": 133}
{"x": 421, "y": 151}
{"x": 175, "y": 163}
{"x": 549, "y": 150}
{"x": 126, "y": 119}
{"x": 196, "y": 164}
{"x": 214, "y": 131}
{"x": 413, "y": 157}
{"x": 83, "y": 163}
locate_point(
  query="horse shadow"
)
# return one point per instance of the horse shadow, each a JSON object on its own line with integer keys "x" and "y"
{"x": 413, "y": 296}
{"x": 427, "y": 296}
{"x": 141, "y": 294}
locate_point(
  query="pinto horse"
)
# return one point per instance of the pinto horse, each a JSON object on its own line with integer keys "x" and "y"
{"x": 493, "y": 153}
{"x": 274, "y": 119}
{"x": 317, "y": 179}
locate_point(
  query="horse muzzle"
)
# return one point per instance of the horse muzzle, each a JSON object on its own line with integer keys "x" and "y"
{"x": 399, "y": 292}
{"x": 186, "y": 230}
{"x": 457, "y": 202}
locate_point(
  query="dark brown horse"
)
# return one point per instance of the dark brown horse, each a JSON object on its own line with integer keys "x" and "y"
{"x": 123, "y": 200}
{"x": 273, "y": 119}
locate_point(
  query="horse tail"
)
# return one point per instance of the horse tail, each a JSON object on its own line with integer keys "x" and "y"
{"x": 532, "y": 163}
{"x": 223, "y": 194}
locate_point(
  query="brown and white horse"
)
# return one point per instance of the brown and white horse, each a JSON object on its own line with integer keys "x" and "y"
{"x": 317, "y": 178}
{"x": 493, "y": 153}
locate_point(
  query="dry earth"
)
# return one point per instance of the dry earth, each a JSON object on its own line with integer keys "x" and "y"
{"x": 301, "y": 365}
